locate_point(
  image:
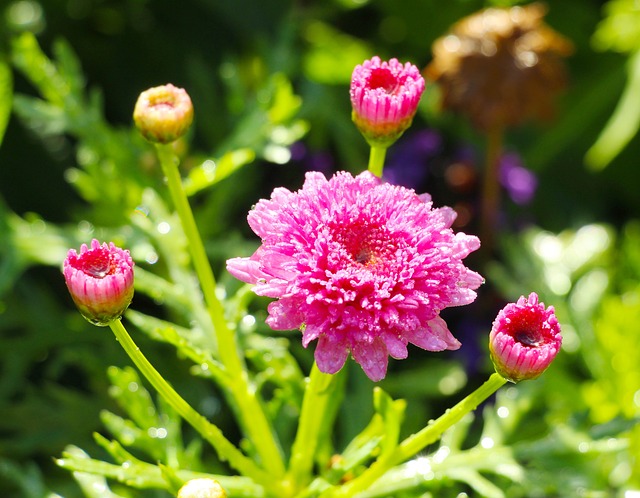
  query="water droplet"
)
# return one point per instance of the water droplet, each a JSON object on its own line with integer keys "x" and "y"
{"x": 142, "y": 210}
{"x": 151, "y": 257}
{"x": 209, "y": 169}
{"x": 441, "y": 454}
{"x": 133, "y": 387}
{"x": 583, "y": 447}
{"x": 164, "y": 227}
{"x": 503, "y": 412}
{"x": 85, "y": 227}
{"x": 248, "y": 321}
{"x": 487, "y": 442}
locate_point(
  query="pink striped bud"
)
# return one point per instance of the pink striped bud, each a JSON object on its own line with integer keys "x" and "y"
{"x": 524, "y": 339}
{"x": 384, "y": 97}
{"x": 100, "y": 280}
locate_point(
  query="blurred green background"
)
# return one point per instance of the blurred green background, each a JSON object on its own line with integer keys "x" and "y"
{"x": 269, "y": 81}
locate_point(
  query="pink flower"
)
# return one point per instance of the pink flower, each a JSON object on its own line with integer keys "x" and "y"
{"x": 163, "y": 113}
{"x": 524, "y": 339}
{"x": 385, "y": 96}
{"x": 100, "y": 281}
{"x": 361, "y": 266}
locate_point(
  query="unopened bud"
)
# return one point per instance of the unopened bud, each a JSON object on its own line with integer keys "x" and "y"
{"x": 384, "y": 97}
{"x": 163, "y": 113}
{"x": 100, "y": 280}
{"x": 202, "y": 488}
{"x": 524, "y": 339}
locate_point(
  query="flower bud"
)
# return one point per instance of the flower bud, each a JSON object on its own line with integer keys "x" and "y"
{"x": 385, "y": 97}
{"x": 524, "y": 339}
{"x": 202, "y": 488}
{"x": 163, "y": 113}
{"x": 100, "y": 280}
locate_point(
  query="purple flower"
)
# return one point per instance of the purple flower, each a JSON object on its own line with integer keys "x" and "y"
{"x": 361, "y": 266}
{"x": 520, "y": 182}
{"x": 524, "y": 339}
{"x": 384, "y": 97}
{"x": 408, "y": 161}
{"x": 100, "y": 281}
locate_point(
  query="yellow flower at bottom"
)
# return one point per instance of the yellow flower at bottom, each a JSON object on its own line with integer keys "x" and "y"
{"x": 202, "y": 488}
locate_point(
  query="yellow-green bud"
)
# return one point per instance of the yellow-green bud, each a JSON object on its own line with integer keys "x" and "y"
{"x": 202, "y": 488}
{"x": 163, "y": 113}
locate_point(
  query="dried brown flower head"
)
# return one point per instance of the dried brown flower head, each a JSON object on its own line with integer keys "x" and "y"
{"x": 500, "y": 66}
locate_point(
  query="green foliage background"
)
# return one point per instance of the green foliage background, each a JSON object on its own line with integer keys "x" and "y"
{"x": 265, "y": 76}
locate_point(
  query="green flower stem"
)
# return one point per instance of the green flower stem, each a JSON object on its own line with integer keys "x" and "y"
{"x": 320, "y": 392}
{"x": 376, "y": 160}
{"x": 210, "y": 432}
{"x": 250, "y": 411}
{"x": 491, "y": 189}
{"x": 418, "y": 441}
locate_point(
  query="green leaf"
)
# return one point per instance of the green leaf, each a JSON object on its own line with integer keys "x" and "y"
{"x": 27, "y": 477}
{"x": 6, "y": 96}
{"x": 182, "y": 339}
{"x": 392, "y": 413}
{"x": 363, "y": 447}
{"x": 142, "y": 475}
{"x": 211, "y": 172}
{"x": 29, "y": 58}
{"x": 332, "y": 54}
{"x": 174, "y": 483}
{"x": 624, "y": 122}
{"x": 132, "y": 397}
{"x": 130, "y": 435}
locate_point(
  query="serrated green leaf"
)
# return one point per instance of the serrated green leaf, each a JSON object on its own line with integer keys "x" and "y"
{"x": 42, "y": 117}
{"x": 69, "y": 66}
{"x": 29, "y": 58}
{"x": 182, "y": 339}
{"x": 392, "y": 414}
{"x": 132, "y": 397}
{"x": 128, "y": 434}
{"x": 363, "y": 447}
{"x": 141, "y": 475}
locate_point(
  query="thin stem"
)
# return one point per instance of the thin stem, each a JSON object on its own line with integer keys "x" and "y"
{"x": 491, "y": 189}
{"x": 251, "y": 413}
{"x": 210, "y": 432}
{"x": 376, "y": 160}
{"x": 319, "y": 393}
{"x": 418, "y": 441}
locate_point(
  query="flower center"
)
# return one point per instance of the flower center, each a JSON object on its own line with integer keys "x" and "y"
{"x": 365, "y": 244}
{"x": 162, "y": 100}
{"x": 364, "y": 255}
{"x": 527, "y": 338}
{"x": 383, "y": 78}
{"x": 97, "y": 264}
